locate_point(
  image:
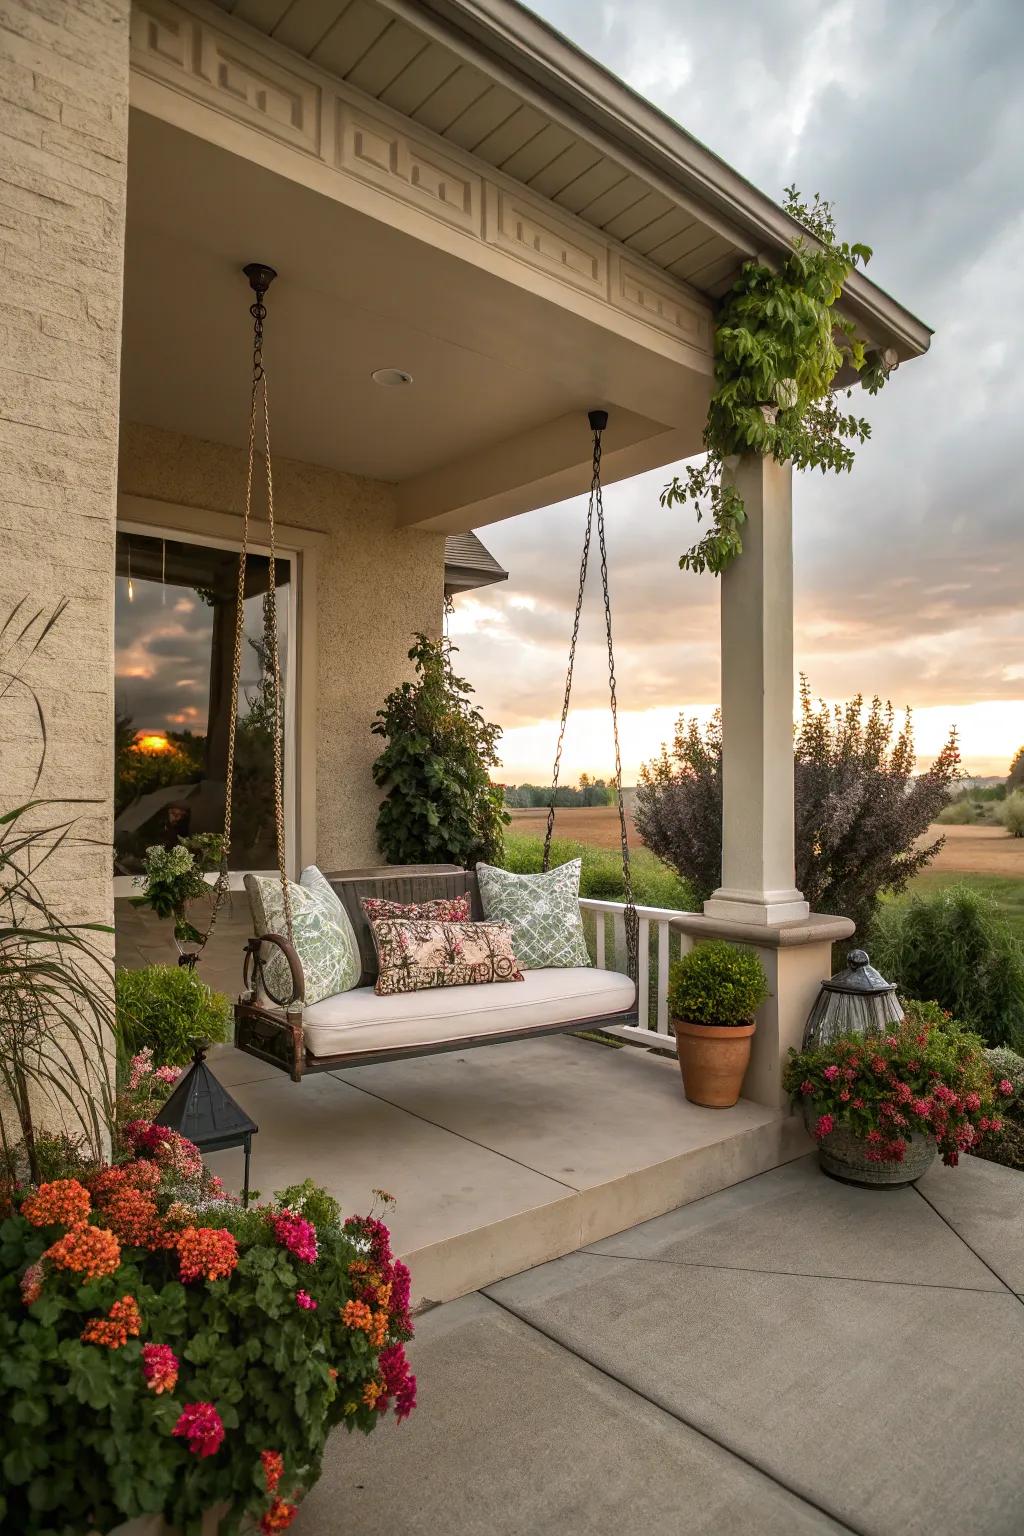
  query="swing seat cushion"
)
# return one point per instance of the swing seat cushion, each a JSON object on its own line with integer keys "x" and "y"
{"x": 361, "y": 1021}
{"x": 543, "y": 910}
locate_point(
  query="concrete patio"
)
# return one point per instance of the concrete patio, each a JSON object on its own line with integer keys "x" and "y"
{"x": 788, "y": 1356}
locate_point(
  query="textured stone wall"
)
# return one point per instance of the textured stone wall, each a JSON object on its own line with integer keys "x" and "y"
{"x": 377, "y": 584}
{"x": 63, "y": 153}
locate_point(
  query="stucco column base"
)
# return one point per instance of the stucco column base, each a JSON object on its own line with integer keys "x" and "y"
{"x": 797, "y": 958}
{"x": 762, "y": 909}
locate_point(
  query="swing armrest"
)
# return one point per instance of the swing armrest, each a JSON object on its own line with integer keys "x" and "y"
{"x": 252, "y": 969}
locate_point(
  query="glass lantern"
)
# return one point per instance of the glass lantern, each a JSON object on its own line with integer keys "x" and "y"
{"x": 855, "y": 999}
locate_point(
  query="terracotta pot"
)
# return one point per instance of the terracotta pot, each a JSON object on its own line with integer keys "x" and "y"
{"x": 713, "y": 1059}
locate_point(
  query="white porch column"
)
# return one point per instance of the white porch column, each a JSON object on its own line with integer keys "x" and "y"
{"x": 758, "y": 880}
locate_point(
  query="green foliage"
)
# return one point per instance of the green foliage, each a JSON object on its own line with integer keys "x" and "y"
{"x": 927, "y": 1075}
{"x": 955, "y": 946}
{"x": 1011, "y": 813}
{"x": 311, "y": 1201}
{"x": 654, "y": 884}
{"x": 168, "y": 1009}
{"x": 440, "y": 805}
{"x": 87, "y": 1444}
{"x": 962, "y": 813}
{"x": 1015, "y": 777}
{"x": 138, "y": 772}
{"x": 1006, "y": 1064}
{"x": 537, "y": 796}
{"x": 716, "y": 983}
{"x": 173, "y": 877}
{"x": 778, "y": 347}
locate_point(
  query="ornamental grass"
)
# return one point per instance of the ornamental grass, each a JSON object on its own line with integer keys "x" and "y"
{"x": 164, "y": 1351}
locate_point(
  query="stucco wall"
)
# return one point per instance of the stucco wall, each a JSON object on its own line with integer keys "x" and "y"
{"x": 63, "y": 154}
{"x": 376, "y": 585}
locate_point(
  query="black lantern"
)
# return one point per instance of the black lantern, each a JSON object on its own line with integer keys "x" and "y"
{"x": 856, "y": 998}
{"x": 201, "y": 1109}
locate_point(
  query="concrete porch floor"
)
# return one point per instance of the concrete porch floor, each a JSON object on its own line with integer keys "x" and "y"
{"x": 788, "y": 1357}
{"x": 502, "y": 1157}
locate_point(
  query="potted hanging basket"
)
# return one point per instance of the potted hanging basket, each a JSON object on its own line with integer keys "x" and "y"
{"x": 714, "y": 992}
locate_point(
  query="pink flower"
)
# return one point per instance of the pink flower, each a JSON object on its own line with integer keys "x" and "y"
{"x": 1005, "y": 1087}
{"x": 830, "y": 1074}
{"x": 824, "y": 1126}
{"x": 844, "y": 1095}
{"x": 972, "y": 1101}
{"x": 857, "y": 1104}
{"x": 995, "y": 1125}
{"x": 921, "y": 1107}
{"x": 849, "y": 1074}
{"x": 296, "y": 1234}
{"x": 160, "y": 1368}
{"x": 806, "y": 1086}
{"x": 201, "y": 1425}
{"x": 168, "y": 1075}
{"x": 304, "y": 1300}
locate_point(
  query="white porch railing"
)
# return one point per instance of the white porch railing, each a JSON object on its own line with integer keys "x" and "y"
{"x": 659, "y": 945}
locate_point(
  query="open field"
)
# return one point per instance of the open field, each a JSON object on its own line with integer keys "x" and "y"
{"x": 597, "y": 825}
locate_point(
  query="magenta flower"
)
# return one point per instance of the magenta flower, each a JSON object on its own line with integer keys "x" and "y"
{"x": 830, "y": 1074}
{"x": 201, "y": 1425}
{"x": 296, "y": 1234}
{"x": 824, "y": 1126}
{"x": 304, "y": 1300}
{"x": 806, "y": 1086}
{"x": 1005, "y": 1087}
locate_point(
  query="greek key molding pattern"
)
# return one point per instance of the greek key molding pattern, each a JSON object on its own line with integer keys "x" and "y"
{"x": 278, "y": 93}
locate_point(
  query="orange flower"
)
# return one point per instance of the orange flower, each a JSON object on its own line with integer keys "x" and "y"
{"x": 207, "y": 1251}
{"x": 122, "y": 1322}
{"x": 384, "y": 1295}
{"x": 64, "y": 1203}
{"x": 273, "y": 1469}
{"x": 132, "y": 1216}
{"x": 378, "y": 1330}
{"x": 371, "y": 1392}
{"x": 278, "y": 1517}
{"x": 356, "y": 1314}
{"x": 88, "y": 1251}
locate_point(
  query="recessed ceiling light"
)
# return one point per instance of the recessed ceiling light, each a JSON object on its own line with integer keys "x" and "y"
{"x": 390, "y": 378}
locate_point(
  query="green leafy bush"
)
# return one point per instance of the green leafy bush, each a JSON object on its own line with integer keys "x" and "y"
{"x": 165, "y": 1351}
{"x": 168, "y": 1008}
{"x": 439, "y": 804}
{"x": 716, "y": 983}
{"x": 1006, "y": 1066}
{"x": 955, "y": 947}
{"x": 1011, "y": 813}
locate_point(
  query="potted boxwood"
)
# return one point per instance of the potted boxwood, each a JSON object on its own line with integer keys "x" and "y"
{"x": 880, "y": 1105}
{"x": 714, "y": 992}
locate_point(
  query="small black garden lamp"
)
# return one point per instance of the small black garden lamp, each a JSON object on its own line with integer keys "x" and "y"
{"x": 201, "y": 1109}
{"x": 855, "y": 998}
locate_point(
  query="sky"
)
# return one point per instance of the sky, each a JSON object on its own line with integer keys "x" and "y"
{"x": 909, "y": 116}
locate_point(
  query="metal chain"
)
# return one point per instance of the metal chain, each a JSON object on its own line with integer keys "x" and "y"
{"x": 596, "y": 505}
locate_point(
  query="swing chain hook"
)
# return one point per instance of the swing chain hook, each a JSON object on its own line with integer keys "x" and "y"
{"x": 260, "y": 278}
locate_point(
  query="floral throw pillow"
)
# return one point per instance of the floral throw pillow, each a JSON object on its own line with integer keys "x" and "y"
{"x": 321, "y": 932}
{"x": 543, "y": 910}
{"x": 441, "y": 909}
{"x": 416, "y": 954}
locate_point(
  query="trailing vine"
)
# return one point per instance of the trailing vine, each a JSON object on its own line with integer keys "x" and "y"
{"x": 778, "y": 347}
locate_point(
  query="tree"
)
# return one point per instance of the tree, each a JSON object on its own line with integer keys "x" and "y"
{"x": 440, "y": 805}
{"x": 1015, "y": 777}
{"x": 860, "y": 809}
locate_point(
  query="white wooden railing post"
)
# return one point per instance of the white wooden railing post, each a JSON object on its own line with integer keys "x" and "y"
{"x": 642, "y": 1032}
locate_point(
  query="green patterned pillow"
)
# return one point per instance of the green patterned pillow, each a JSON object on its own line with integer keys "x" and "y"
{"x": 543, "y": 910}
{"x": 321, "y": 931}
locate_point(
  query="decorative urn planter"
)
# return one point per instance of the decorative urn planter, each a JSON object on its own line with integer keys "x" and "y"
{"x": 842, "y": 1154}
{"x": 713, "y": 1059}
{"x": 714, "y": 991}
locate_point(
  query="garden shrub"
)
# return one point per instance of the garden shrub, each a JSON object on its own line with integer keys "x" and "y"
{"x": 439, "y": 803}
{"x": 716, "y": 983}
{"x": 955, "y": 947}
{"x": 860, "y": 804}
{"x": 164, "y": 1351}
{"x": 168, "y": 1008}
{"x": 1011, "y": 813}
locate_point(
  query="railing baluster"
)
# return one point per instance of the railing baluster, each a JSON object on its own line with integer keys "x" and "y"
{"x": 664, "y": 933}
{"x": 599, "y": 941}
{"x": 643, "y": 979}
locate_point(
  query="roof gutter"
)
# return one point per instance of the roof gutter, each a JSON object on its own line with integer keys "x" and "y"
{"x": 505, "y": 30}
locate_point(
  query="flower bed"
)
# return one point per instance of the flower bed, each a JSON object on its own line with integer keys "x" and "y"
{"x": 164, "y": 1351}
{"x": 926, "y": 1076}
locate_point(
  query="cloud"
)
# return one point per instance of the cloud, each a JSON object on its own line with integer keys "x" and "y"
{"x": 908, "y": 572}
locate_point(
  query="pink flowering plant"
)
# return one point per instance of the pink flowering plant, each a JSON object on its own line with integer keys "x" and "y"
{"x": 926, "y": 1076}
{"x": 163, "y": 1351}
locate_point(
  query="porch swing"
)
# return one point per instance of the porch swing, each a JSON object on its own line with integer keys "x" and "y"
{"x": 358, "y": 1027}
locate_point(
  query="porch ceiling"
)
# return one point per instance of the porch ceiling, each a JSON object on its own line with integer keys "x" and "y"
{"x": 494, "y": 421}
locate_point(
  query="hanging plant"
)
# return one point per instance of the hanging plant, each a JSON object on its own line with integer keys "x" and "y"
{"x": 778, "y": 347}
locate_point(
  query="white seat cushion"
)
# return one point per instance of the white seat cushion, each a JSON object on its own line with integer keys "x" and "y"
{"x": 361, "y": 1021}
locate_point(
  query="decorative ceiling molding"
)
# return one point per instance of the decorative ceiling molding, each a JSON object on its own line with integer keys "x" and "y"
{"x": 266, "y": 87}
